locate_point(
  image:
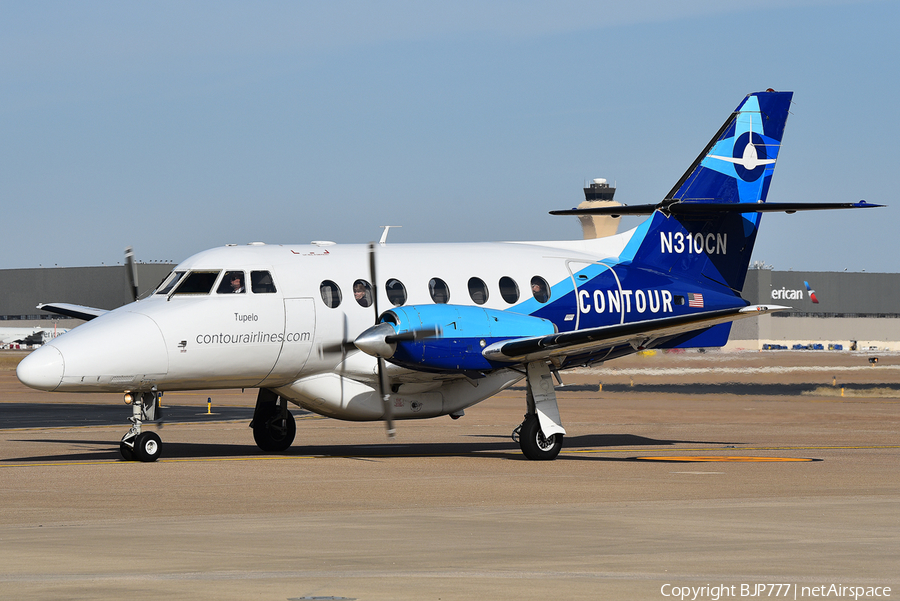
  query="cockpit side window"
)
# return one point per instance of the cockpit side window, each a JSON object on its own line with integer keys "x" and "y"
{"x": 197, "y": 282}
{"x": 169, "y": 283}
{"x": 261, "y": 282}
{"x": 232, "y": 283}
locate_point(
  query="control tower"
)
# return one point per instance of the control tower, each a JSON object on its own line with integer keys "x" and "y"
{"x": 598, "y": 194}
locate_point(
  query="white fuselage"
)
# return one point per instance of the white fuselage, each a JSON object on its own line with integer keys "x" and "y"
{"x": 288, "y": 336}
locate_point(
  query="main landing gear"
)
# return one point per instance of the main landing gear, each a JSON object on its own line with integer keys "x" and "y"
{"x": 137, "y": 445}
{"x": 273, "y": 425}
{"x": 540, "y": 436}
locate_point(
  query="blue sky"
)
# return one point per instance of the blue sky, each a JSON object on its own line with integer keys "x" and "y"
{"x": 179, "y": 126}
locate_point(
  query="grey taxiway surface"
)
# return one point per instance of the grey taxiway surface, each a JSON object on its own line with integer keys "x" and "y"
{"x": 691, "y": 470}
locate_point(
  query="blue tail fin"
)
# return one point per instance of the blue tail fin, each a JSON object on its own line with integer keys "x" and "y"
{"x": 735, "y": 167}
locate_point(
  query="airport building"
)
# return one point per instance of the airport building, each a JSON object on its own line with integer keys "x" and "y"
{"x": 830, "y": 309}
{"x": 857, "y": 311}
{"x": 104, "y": 287}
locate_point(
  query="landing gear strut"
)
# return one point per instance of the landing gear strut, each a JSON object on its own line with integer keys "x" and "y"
{"x": 273, "y": 425}
{"x": 540, "y": 436}
{"x": 138, "y": 445}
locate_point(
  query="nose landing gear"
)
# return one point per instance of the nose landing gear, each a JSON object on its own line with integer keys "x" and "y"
{"x": 138, "y": 445}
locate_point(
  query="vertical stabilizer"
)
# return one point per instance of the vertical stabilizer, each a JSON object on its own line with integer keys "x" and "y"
{"x": 735, "y": 167}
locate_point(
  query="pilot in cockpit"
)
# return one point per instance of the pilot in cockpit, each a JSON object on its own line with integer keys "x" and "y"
{"x": 233, "y": 282}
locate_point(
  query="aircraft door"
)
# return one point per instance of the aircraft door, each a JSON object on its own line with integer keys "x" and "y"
{"x": 299, "y": 331}
{"x": 598, "y": 294}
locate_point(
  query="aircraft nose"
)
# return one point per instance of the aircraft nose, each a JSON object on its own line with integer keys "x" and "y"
{"x": 42, "y": 369}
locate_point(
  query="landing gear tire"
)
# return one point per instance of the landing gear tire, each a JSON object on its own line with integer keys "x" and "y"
{"x": 272, "y": 432}
{"x": 147, "y": 447}
{"x": 127, "y": 451}
{"x": 534, "y": 444}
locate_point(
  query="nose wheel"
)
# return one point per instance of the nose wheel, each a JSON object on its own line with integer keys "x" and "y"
{"x": 137, "y": 445}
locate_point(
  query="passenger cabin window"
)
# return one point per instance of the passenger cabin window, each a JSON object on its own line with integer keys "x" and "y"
{"x": 232, "y": 283}
{"x": 170, "y": 282}
{"x": 396, "y": 292}
{"x": 439, "y": 291}
{"x": 261, "y": 282}
{"x": 540, "y": 289}
{"x": 478, "y": 291}
{"x": 509, "y": 290}
{"x": 331, "y": 294}
{"x": 362, "y": 293}
{"x": 197, "y": 282}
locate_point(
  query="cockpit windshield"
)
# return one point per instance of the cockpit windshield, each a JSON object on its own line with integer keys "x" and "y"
{"x": 170, "y": 282}
{"x": 197, "y": 282}
{"x": 202, "y": 281}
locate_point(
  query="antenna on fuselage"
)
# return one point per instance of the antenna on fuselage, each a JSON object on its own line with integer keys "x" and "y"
{"x": 384, "y": 234}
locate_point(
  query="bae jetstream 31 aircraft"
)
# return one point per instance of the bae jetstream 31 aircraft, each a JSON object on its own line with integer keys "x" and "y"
{"x": 302, "y": 323}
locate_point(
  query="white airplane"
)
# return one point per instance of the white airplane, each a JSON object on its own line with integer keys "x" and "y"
{"x": 302, "y": 322}
{"x": 29, "y": 336}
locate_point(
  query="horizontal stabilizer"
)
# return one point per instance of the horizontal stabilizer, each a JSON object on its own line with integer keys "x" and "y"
{"x": 696, "y": 208}
{"x": 640, "y": 334}
{"x": 69, "y": 310}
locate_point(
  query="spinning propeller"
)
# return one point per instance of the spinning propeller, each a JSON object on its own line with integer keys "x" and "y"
{"x": 380, "y": 341}
{"x": 382, "y": 381}
{"x": 131, "y": 270}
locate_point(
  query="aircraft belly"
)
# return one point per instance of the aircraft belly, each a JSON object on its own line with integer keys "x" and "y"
{"x": 344, "y": 398}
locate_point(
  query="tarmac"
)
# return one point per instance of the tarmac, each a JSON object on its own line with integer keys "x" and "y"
{"x": 679, "y": 471}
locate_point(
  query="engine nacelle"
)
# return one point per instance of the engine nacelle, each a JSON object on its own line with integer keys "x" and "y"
{"x": 456, "y": 335}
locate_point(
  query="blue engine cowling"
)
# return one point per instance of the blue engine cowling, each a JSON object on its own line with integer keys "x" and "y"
{"x": 457, "y": 335}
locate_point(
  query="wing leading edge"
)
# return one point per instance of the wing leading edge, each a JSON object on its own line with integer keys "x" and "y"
{"x": 70, "y": 310}
{"x": 640, "y": 334}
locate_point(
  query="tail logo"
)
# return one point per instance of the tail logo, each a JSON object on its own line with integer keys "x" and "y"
{"x": 749, "y": 156}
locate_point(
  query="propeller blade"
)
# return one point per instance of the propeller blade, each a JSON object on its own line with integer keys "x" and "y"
{"x": 413, "y": 335}
{"x": 386, "y": 400}
{"x": 339, "y": 347}
{"x": 131, "y": 270}
{"x": 372, "y": 279}
{"x": 383, "y": 389}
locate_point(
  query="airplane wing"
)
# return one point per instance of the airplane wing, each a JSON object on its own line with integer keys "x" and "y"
{"x": 69, "y": 310}
{"x": 640, "y": 334}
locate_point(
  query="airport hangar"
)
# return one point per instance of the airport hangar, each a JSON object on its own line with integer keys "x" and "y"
{"x": 854, "y": 310}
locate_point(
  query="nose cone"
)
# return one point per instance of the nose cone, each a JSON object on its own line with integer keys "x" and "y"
{"x": 120, "y": 350}
{"x": 42, "y": 369}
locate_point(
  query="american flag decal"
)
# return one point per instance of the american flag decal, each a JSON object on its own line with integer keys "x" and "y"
{"x": 695, "y": 300}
